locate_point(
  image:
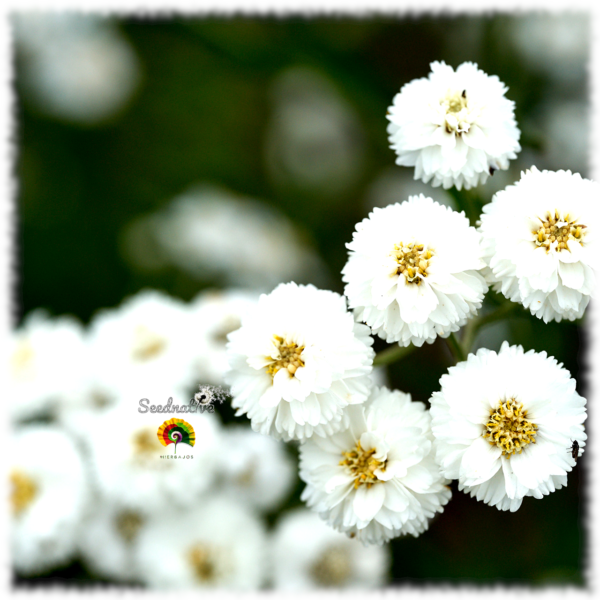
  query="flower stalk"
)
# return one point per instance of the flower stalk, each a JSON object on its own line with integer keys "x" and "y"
{"x": 456, "y": 348}
{"x": 474, "y": 325}
{"x": 392, "y": 354}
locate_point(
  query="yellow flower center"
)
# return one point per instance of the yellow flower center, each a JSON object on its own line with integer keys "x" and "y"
{"x": 21, "y": 360}
{"x": 556, "y": 231}
{"x": 455, "y": 102}
{"x": 508, "y": 428}
{"x": 290, "y": 357}
{"x": 128, "y": 524}
{"x": 362, "y": 465}
{"x": 144, "y": 442}
{"x": 204, "y": 563}
{"x": 100, "y": 399}
{"x": 333, "y": 567}
{"x": 146, "y": 344}
{"x": 247, "y": 477}
{"x": 413, "y": 261}
{"x": 24, "y": 490}
{"x": 455, "y": 105}
{"x": 146, "y": 451}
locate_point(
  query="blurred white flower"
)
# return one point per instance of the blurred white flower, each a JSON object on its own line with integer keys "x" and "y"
{"x": 412, "y": 272}
{"x": 503, "y": 424}
{"x": 48, "y": 492}
{"x": 213, "y": 316}
{"x": 74, "y": 412}
{"x": 297, "y": 361}
{"x": 314, "y": 139}
{"x": 217, "y": 544}
{"x": 48, "y": 365}
{"x": 377, "y": 479}
{"x": 306, "y": 554}
{"x": 143, "y": 343}
{"x": 108, "y": 537}
{"x": 556, "y": 44}
{"x": 76, "y": 66}
{"x": 132, "y": 467}
{"x": 256, "y": 468}
{"x": 539, "y": 240}
{"x": 567, "y": 128}
{"x": 454, "y": 127}
{"x": 208, "y": 231}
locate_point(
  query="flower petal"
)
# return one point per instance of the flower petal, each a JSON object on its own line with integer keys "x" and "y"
{"x": 368, "y": 501}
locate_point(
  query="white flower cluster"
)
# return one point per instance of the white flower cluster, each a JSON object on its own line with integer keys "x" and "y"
{"x": 501, "y": 424}
{"x": 300, "y": 369}
{"x": 93, "y": 482}
{"x": 456, "y": 128}
{"x": 507, "y": 425}
{"x": 299, "y": 362}
{"x": 150, "y": 346}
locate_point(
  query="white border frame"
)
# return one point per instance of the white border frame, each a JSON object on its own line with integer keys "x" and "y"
{"x": 281, "y": 8}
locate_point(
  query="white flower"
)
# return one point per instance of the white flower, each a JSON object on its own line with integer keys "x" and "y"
{"x": 377, "y": 479}
{"x": 133, "y": 468}
{"x": 77, "y": 66}
{"x": 306, "y": 554}
{"x": 48, "y": 492}
{"x": 314, "y": 140}
{"x": 108, "y": 538}
{"x": 256, "y": 469}
{"x": 556, "y": 43}
{"x": 412, "y": 271}
{"x": 144, "y": 343}
{"x": 75, "y": 411}
{"x": 539, "y": 240}
{"x": 217, "y": 544}
{"x": 566, "y": 124}
{"x": 213, "y": 315}
{"x": 455, "y": 127}
{"x": 504, "y": 424}
{"x": 211, "y": 232}
{"x": 48, "y": 365}
{"x": 297, "y": 361}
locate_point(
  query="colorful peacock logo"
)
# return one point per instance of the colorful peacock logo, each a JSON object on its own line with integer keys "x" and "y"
{"x": 175, "y": 431}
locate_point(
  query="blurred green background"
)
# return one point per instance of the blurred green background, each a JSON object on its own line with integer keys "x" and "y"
{"x": 216, "y": 104}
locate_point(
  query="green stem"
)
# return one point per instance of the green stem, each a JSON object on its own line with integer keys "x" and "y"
{"x": 474, "y": 325}
{"x": 464, "y": 201}
{"x": 392, "y": 354}
{"x": 455, "y": 347}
